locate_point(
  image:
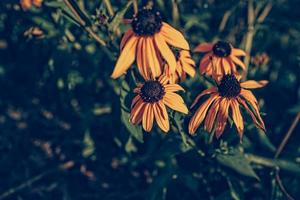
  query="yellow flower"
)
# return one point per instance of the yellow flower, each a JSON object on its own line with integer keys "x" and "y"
{"x": 220, "y": 58}
{"x": 26, "y": 4}
{"x": 228, "y": 94}
{"x": 185, "y": 65}
{"x": 148, "y": 42}
{"x": 150, "y": 103}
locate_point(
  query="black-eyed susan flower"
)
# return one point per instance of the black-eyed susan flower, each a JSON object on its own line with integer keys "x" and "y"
{"x": 147, "y": 42}
{"x": 26, "y": 4}
{"x": 228, "y": 95}
{"x": 150, "y": 103}
{"x": 220, "y": 58}
{"x": 185, "y": 65}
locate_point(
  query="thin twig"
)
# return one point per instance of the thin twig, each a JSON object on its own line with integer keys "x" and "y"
{"x": 287, "y": 135}
{"x": 109, "y": 7}
{"x": 83, "y": 24}
{"x": 224, "y": 20}
{"x": 280, "y": 184}
{"x": 34, "y": 179}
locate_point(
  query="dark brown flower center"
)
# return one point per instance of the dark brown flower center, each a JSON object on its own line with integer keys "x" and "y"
{"x": 146, "y": 22}
{"x": 229, "y": 86}
{"x": 152, "y": 91}
{"x": 222, "y": 49}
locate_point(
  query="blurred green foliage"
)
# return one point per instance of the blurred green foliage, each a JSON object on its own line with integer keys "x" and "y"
{"x": 64, "y": 123}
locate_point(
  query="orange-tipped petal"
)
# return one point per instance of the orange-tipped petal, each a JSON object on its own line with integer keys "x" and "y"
{"x": 237, "y": 117}
{"x": 137, "y": 111}
{"x": 222, "y": 116}
{"x": 204, "y": 47}
{"x": 125, "y": 38}
{"x": 126, "y": 58}
{"x": 173, "y": 37}
{"x": 205, "y": 92}
{"x": 238, "y": 62}
{"x": 251, "y": 84}
{"x": 211, "y": 115}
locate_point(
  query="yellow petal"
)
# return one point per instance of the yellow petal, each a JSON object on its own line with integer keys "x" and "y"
{"x": 199, "y": 116}
{"x": 148, "y": 117}
{"x": 238, "y": 52}
{"x": 173, "y": 37}
{"x": 142, "y": 67}
{"x": 175, "y": 102}
{"x": 161, "y": 116}
{"x": 151, "y": 58}
{"x": 204, "y": 47}
{"x": 226, "y": 66}
{"x": 173, "y": 88}
{"x": 126, "y": 58}
{"x": 254, "y": 84}
{"x": 166, "y": 52}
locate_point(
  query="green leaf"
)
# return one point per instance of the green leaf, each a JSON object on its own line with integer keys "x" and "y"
{"x": 135, "y": 131}
{"x": 130, "y": 147}
{"x": 89, "y": 145}
{"x": 237, "y": 161}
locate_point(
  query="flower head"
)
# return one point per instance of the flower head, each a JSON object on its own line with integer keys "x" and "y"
{"x": 220, "y": 58}
{"x": 148, "y": 42}
{"x": 26, "y": 4}
{"x": 150, "y": 103}
{"x": 185, "y": 65}
{"x": 229, "y": 94}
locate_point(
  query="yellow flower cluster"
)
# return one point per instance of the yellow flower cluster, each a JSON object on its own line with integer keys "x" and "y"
{"x": 163, "y": 59}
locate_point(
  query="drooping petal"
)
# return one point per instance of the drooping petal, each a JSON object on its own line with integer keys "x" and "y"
{"x": 238, "y": 62}
{"x": 173, "y": 37}
{"x": 141, "y": 62}
{"x": 135, "y": 100}
{"x": 259, "y": 124}
{"x": 199, "y": 116}
{"x": 251, "y": 84}
{"x": 166, "y": 52}
{"x": 125, "y": 38}
{"x": 250, "y": 98}
{"x": 175, "y": 102}
{"x": 148, "y": 117}
{"x": 226, "y": 66}
{"x": 222, "y": 116}
{"x": 204, "y": 92}
{"x": 204, "y": 47}
{"x": 126, "y": 58}
{"x": 238, "y": 52}
{"x": 173, "y": 88}
{"x": 211, "y": 115}
{"x": 161, "y": 116}
{"x": 237, "y": 117}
